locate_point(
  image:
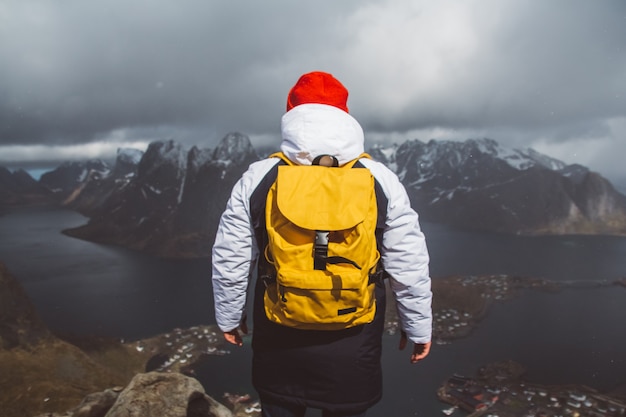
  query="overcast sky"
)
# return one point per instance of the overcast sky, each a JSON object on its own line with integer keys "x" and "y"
{"x": 86, "y": 77}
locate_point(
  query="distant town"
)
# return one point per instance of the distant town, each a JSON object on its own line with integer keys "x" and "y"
{"x": 461, "y": 302}
{"x": 498, "y": 391}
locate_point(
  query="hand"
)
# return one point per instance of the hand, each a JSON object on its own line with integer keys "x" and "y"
{"x": 233, "y": 336}
{"x": 420, "y": 350}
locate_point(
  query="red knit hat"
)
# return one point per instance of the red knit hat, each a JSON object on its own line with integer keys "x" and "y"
{"x": 318, "y": 87}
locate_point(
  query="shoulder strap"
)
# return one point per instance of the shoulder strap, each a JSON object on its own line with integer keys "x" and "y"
{"x": 282, "y": 156}
{"x": 364, "y": 155}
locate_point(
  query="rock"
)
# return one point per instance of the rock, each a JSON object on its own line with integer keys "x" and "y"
{"x": 96, "y": 405}
{"x": 150, "y": 394}
{"x": 166, "y": 395}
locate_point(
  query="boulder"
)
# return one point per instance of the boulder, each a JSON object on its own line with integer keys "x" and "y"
{"x": 96, "y": 404}
{"x": 166, "y": 395}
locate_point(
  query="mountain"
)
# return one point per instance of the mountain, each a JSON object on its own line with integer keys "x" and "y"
{"x": 170, "y": 206}
{"x": 63, "y": 180}
{"x": 173, "y": 204}
{"x": 97, "y": 186}
{"x": 480, "y": 185}
{"x": 19, "y": 188}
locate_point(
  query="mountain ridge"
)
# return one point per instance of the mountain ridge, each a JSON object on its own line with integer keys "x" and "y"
{"x": 173, "y": 204}
{"x": 480, "y": 185}
{"x": 19, "y": 188}
{"x": 168, "y": 200}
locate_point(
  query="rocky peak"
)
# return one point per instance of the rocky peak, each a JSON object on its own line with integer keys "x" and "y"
{"x": 234, "y": 147}
{"x": 127, "y": 162}
{"x": 575, "y": 172}
{"x": 386, "y": 155}
{"x": 172, "y": 206}
{"x": 15, "y": 181}
{"x": 18, "y": 187}
{"x": 24, "y": 181}
{"x": 471, "y": 156}
{"x": 198, "y": 157}
{"x": 69, "y": 175}
{"x": 481, "y": 184}
{"x": 163, "y": 158}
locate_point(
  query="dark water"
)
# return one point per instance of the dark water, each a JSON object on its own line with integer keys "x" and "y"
{"x": 574, "y": 336}
{"x": 88, "y": 288}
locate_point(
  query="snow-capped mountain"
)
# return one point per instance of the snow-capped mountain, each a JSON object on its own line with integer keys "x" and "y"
{"x": 126, "y": 162}
{"x": 482, "y": 185}
{"x": 63, "y": 180}
{"x": 172, "y": 206}
{"x": 89, "y": 196}
{"x": 418, "y": 162}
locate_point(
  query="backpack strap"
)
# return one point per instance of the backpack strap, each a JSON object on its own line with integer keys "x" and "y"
{"x": 320, "y": 253}
{"x": 282, "y": 157}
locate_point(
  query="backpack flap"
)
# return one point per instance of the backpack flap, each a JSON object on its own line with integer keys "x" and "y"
{"x": 319, "y": 198}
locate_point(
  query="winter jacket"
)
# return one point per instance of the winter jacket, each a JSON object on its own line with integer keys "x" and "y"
{"x": 334, "y": 370}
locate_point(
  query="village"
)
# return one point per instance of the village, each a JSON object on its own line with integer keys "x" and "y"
{"x": 461, "y": 302}
{"x": 178, "y": 350}
{"x": 498, "y": 391}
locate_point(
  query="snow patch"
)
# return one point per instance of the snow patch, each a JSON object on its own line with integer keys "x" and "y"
{"x": 82, "y": 175}
{"x": 154, "y": 189}
{"x": 129, "y": 155}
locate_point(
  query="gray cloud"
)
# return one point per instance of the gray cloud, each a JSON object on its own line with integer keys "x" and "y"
{"x": 526, "y": 73}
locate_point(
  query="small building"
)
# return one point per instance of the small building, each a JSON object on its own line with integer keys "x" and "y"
{"x": 467, "y": 402}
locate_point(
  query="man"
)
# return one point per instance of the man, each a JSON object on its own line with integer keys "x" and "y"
{"x": 337, "y": 371}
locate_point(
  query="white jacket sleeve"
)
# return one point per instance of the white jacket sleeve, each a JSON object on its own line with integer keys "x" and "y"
{"x": 405, "y": 257}
{"x": 235, "y": 250}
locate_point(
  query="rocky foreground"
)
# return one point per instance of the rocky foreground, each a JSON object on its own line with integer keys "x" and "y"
{"x": 151, "y": 394}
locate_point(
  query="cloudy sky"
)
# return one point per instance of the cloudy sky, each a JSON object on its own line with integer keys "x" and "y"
{"x": 85, "y": 77}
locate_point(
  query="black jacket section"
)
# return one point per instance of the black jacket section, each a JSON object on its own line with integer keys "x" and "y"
{"x": 333, "y": 370}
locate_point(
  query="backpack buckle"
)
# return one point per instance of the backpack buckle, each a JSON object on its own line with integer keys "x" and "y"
{"x": 321, "y": 238}
{"x": 320, "y": 249}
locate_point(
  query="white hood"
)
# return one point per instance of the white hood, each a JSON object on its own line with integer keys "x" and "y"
{"x": 310, "y": 130}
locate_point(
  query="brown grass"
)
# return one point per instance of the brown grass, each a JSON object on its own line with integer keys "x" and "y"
{"x": 54, "y": 376}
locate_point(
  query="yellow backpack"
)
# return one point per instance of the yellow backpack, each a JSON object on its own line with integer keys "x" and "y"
{"x": 321, "y": 226}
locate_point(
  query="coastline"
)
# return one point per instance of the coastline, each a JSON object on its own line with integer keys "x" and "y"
{"x": 499, "y": 389}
